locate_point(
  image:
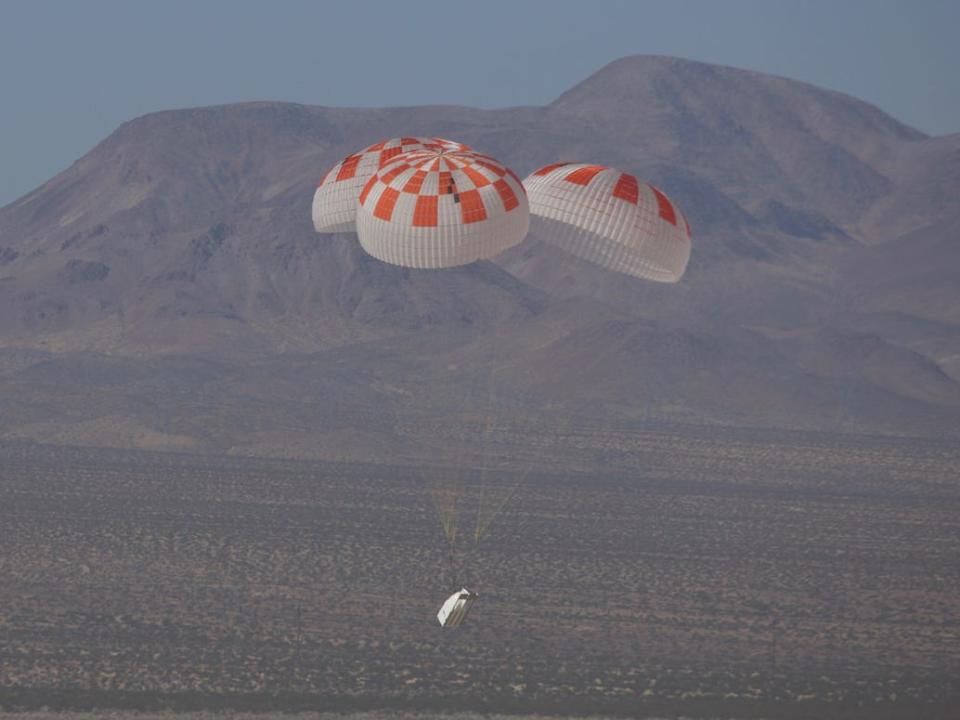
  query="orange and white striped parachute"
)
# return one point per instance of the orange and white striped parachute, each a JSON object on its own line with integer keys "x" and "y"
{"x": 610, "y": 218}
{"x": 434, "y": 208}
{"x": 335, "y": 200}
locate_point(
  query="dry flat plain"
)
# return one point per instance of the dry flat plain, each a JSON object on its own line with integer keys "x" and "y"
{"x": 684, "y": 571}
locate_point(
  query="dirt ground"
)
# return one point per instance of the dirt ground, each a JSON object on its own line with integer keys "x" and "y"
{"x": 710, "y": 575}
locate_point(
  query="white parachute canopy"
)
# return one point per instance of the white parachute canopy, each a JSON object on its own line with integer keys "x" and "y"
{"x": 435, "y": 208}
{"x": 610, "y": 218}
{"x": 335, "y": 200}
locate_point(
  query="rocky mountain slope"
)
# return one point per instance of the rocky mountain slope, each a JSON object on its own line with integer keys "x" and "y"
{"x": 168, "y": 290}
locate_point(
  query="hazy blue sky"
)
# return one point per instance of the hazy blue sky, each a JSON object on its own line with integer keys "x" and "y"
{"x": 70, "y": 72}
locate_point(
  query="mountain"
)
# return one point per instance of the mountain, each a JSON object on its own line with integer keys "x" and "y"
{"x": 167, "y": 290}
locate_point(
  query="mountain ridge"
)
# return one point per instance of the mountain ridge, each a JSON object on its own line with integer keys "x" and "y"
{"x": 187, "y": 233}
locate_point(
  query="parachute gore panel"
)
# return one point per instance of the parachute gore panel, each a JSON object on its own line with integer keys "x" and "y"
{"x": 335, "y": 200}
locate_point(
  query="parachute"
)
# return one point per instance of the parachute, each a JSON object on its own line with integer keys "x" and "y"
{"x": 335, "y": 199}
{"x": 610, "y": 218}
{"x": 437, "y": 208}
{"x": 435, "y": 203}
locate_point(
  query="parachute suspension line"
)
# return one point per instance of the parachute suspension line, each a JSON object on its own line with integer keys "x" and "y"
{"x": 452, "y": 566}
{"x": 480, "y": 525}
{"x": 484, "y": 527}
{"x": 446, "y": 501}
{"x": 476, "y": 531}
{"x": 489, "y": 508}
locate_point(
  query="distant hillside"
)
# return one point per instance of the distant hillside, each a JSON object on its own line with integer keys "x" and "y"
{"x": 822, "y": 289}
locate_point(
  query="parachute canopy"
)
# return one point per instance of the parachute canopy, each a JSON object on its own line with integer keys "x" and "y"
{"x": 434, "y": 208}
{"x": 455, "y": 608}
{"x": 610, "y": 218}
{"x": 335, "y": 200}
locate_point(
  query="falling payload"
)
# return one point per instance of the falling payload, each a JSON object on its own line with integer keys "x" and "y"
{"x": 610, "y": 218}
{"x": 436, "y": 208}
{"x": 335, "y": 199}
{"x": 455, "y": 608}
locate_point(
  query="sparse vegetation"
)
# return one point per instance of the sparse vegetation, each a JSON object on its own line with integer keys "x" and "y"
{"x": 699, "y": 573}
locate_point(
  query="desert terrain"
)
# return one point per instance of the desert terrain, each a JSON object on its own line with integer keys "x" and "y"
{"x": 707, "y": 574}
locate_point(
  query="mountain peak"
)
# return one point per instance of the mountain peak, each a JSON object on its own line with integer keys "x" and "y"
{"x": 652, "y": 84}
